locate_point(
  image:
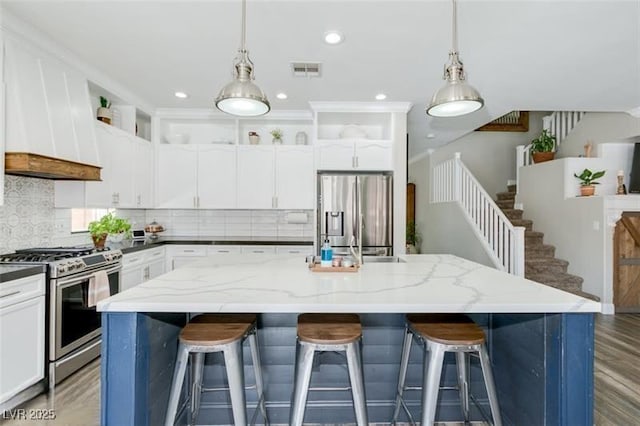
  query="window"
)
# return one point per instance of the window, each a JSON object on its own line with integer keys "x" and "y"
{"x": 80, "y": 218}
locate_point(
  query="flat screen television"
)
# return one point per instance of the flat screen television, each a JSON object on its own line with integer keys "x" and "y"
{"x": 634, "y": 181}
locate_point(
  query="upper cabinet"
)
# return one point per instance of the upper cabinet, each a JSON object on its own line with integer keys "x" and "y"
{"x": 3, "y": 133}
{"x": 47, "y": 106}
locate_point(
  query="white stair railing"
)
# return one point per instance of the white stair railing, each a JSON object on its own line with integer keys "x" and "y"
{"x": 559, "y": 124}
{"x": 503, "y": 242}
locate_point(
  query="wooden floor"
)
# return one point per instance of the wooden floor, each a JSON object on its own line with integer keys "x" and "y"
{"x": 617, "y": 382}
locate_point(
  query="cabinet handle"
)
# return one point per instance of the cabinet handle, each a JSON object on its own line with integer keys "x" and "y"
{"x": 9, "y": 294}
{"x": 198, "y": 198}
{"x": 357, "y": 162}
{"x": 223, "y": 251}
{"x": 188, "y": 251}
{"x": 257, "y": 251}
{"x": 276, "y": 198}
{"x": 353, "y": 162}
{"x": 139, "y": 199}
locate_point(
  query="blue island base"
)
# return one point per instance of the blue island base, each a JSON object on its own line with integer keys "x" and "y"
{"x": 543, "y": 367}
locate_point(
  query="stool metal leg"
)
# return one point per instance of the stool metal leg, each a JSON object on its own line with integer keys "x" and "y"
{"x": 356, "y": 376}
{"x": 462, "y": 364}
{"x": 302, "y": 377}
{"x": 235, "y": 374}
{"x": 257, "y": 368}
{"x": 176, "y": 387}
{"x": 197, "y": 367}
{"x": 433, "y": 359}
{"x": 487, "y": 372}
{"x": 402, "y": 376}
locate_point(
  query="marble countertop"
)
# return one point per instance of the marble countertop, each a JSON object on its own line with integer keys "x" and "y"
{"x": 419, "y": 283}
{"x": 14, "y": 272}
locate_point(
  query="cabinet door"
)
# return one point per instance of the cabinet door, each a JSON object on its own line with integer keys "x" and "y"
{"x": 83, "y": 117}
{"x": 374, "y": 155}
{"x": 155, "y": 268}
{"x": 143, "y": 173}
{"x": 131, "y": 276}
{"x": 256, "y": 177}
{"x": 22, "y": 348}
{"x": 217, "y": 182}
{"x": 177, "y": 176}
{"x": 294, "y": 177}
{"x": 122, "y": 164}
{"x": 336, "y": 155}
{"x": 99, "y": 194}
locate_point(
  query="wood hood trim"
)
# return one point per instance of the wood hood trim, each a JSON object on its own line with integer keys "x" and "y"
{"x": 41, "y": 166}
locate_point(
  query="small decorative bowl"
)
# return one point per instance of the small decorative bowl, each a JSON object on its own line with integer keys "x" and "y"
{"x": 336, "y": 261}
{"x": 347, "y": 262}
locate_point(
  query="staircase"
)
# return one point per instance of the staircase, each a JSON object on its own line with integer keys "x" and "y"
{"x": 540, "y": 262}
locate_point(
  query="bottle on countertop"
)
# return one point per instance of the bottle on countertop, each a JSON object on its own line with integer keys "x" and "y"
{"x": 326, "y": 253}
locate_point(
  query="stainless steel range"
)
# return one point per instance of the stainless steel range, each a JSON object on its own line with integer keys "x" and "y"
{"x": 74, "y": 328}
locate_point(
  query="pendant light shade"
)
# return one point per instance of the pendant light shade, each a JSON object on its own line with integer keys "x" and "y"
{"x": 457, "y": 97}
{"x": 242, "y": 97}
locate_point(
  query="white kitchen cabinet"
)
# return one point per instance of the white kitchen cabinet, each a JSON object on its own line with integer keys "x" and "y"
{"x": 48, "y": 106}
{"x": 279, "y": 177}
{"x": 301, "y": 250}
{"x": 3, "y": 133}
{"x": 294, "y": 177}
{"x": 180, "y": 255}
{"x": 355, "y": 155}
{"x": 22, "y": 311}
{"x": 177, "y": 176}
{"x": 143, "y": 173}
{"x": 217, "y": 180}
{"x": 141, "y": 266}
{"x": 196, "y": 176}
{"x": 256, "y": 177}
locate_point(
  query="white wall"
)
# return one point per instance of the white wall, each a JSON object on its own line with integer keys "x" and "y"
{"x": 443, "y": 227}
{"x": 574, "y": 225}
{"x": 599, "y": 127}
{"x": 490, "y": 156}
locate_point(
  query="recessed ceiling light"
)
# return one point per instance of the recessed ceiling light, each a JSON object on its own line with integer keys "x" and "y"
{"x": 431, "y": 135}
{"x": 381, "y": 96}
{"x": 333, "y": 37}
{"x": 181, "y": 95}
{"x": 281, "y": 95}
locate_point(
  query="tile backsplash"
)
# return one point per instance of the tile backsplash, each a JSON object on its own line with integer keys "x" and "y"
{"x": 29, "y": 219}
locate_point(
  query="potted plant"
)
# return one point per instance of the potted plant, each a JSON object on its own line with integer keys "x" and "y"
{"x": 277, "y": 136}
{"x": 109, "y": 225}
{"x": 104, "y": 113}
{"x": 588, "y": 180}
{"x": 542, "y": 147}
{"x": 412, "y": 238}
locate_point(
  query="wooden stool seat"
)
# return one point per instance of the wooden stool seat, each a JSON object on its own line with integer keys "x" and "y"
{"x": 216, "y": 329}
{"x": 448, "y": 329}
{"x": 329, "y": 329}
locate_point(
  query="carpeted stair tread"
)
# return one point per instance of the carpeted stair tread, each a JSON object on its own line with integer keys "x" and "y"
{"x": 505, "y": 204}
{"x": 511, "y": 188}
{"x": 506, "y": 195}
{"x": 585, "y": 295}
{"x": 533, "y": 238}
{"x": 558, "y": 280}
{"x": 526, "y": 223}
{"x": 541, "y": 250}
{"x": 513, "y": 213}
{"x": 545, "y": 265}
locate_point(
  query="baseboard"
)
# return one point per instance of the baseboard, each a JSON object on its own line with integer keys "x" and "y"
{"x": 608, "y": 309}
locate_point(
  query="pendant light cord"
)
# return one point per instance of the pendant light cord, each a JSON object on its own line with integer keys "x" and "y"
{"x": 454, "y": 26}
{"x": 243, "y": 46}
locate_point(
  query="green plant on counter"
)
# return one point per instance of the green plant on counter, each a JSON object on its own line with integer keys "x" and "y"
{"x": 104, "y": 102}
{"x": 543, "y": 143}
{"x": 110, "y": 224}
{"x": 587, "y": 177}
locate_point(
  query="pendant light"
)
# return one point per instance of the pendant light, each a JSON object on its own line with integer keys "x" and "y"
{"x": 457, "y": 97}
{"x": 242, "y": 97}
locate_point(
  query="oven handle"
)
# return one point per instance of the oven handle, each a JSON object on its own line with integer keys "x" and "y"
{"x": 68, "y": 282}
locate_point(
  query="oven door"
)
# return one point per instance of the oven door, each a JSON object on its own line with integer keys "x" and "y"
{"x": 72, "y": 322}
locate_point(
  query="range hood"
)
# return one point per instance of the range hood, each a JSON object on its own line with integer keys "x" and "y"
{"x": 43, "y": 167}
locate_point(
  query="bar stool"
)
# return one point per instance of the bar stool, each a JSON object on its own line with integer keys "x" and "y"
{"x": 321, "y": 333}
{"x": 209, "y": 333}
{"x": 440, "y": 333}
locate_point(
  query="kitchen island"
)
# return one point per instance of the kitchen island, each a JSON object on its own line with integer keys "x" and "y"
{"x": 540, "y": 339}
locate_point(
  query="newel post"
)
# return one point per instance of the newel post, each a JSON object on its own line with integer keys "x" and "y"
{"x": 518, "y": 251}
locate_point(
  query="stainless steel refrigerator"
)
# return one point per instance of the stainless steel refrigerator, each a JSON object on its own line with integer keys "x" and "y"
{"x": 354, "y": 206}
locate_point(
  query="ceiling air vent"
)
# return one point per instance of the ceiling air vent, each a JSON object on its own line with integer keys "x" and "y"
{"x": 306, "y": 69}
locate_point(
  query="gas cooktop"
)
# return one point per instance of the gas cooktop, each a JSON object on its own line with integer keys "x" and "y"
{"x": 48, "y": 254}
